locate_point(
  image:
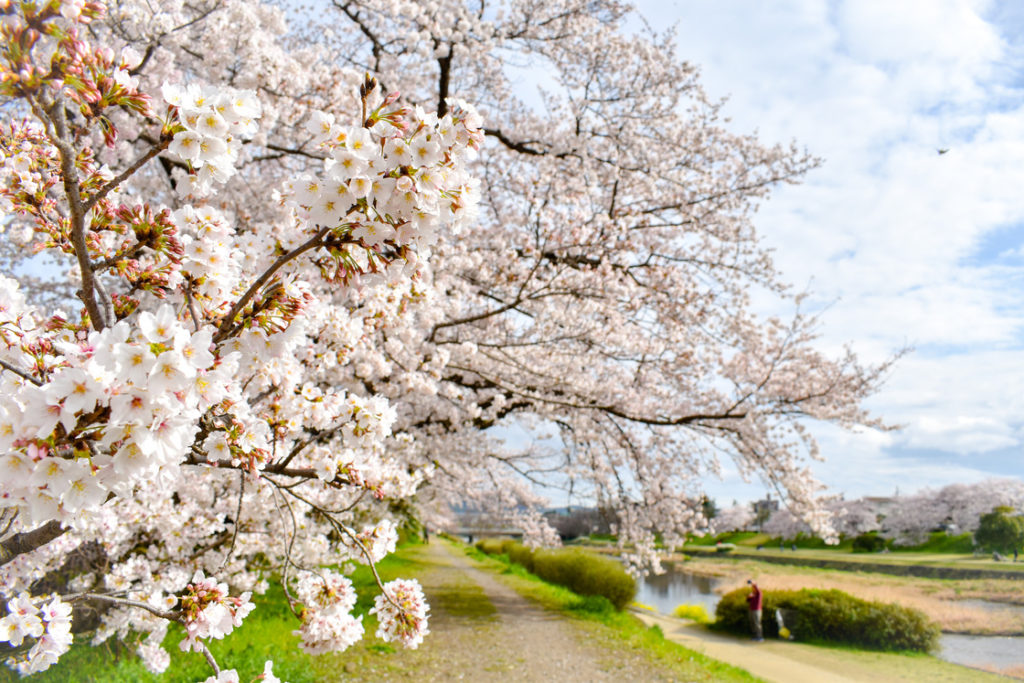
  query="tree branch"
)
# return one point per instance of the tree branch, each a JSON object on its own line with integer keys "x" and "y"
{"x": 229, "y": 319}
{"x": 27, "y": 541}
{"x": 127, "y": 173}
{"x": 20, "y": 373}
{"x": 73, "y": 191}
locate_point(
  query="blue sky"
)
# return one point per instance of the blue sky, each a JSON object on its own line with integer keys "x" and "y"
{"x": 900, "y": 245}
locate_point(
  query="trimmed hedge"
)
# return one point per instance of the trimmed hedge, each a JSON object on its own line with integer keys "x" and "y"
{"x": 581, "y": 572}
{"x": 490, "y": 546}
{"x": 833, "y": 616}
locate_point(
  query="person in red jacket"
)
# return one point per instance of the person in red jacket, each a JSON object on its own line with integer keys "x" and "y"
{"x": 755, "y": 603}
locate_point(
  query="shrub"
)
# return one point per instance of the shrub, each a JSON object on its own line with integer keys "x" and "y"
{"x": 491, "y": 546}
{"x": 594, "y": 604}
{"x": 520, "y": 554}
{"x": 833, "y": 616}
{"x": 868, "y": 543}
{"x": 693, "y": 612}
{"x": 581, "y": 572}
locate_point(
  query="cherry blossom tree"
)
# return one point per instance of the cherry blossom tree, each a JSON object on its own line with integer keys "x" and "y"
{"x": 854, "y": 517}
{"x": 168, "y": 441}
{"x": 957, "y": 506}
{"x": 258, "y": 307}
{"x": 785, "y": 524}
{"x": 846, "y": 517}
{"x": 605, "y": 297}
{"x": 735, "y": 518}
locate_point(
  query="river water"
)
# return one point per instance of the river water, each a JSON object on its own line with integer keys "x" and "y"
{"x": 675, "y": 587}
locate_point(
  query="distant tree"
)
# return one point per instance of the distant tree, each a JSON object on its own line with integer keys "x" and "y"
{"x": 912, "y": 517}
{"x": 785, "y": 524}
{"x": 853, "y": 517}
{"x": 735, "y": 518}
{"x": 581, "y": 522}
{"x": 1000, "y": 530}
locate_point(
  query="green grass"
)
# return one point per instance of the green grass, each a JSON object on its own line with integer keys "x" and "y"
{"x": 617, "y": 629}
{"x": 940, "y": 542}
{"x": 265, "y": 634}
{"x": 907, "y": 558}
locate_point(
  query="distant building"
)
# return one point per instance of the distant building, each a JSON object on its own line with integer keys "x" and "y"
{"x": 763, "y": 509}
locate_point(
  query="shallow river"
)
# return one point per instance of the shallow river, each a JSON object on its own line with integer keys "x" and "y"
{"x": 673, "y": 588}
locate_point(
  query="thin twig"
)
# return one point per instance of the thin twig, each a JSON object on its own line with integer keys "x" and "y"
{"x": 191, "y": 306}
{"x": 170, "y": 616}
{"x": 357, "y": 541}
{"x": 125, "y": 174}
{"x": 209, "y": 657}
{"x": 238, "y": 517}
{"x": 229, "y": 319}
{"x": 20, "y": 373}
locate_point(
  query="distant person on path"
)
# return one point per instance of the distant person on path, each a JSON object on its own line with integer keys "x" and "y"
{"x": 755, "y": 602}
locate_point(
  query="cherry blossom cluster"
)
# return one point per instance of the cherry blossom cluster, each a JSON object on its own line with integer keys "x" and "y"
{"x": 372, "y": 544}
{"x": 209, "y": 124}
{"x": 117, "y": 406}
{"x": 22, "y": 161}
{"x": 394, "y": 181}
{"x": 209, "y": 611}
{"x": 89, "y": 76}
{"x": 327, "y": 621}
{"x": 49, "y": 624}
{"x": 209, "y": 260}
{"x": 401, "y": 611}
{"x": 231, "y": 676}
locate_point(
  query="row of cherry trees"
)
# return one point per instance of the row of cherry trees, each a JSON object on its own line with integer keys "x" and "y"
{"x": 907, "y": 519}
{"x": 253, "y": 302}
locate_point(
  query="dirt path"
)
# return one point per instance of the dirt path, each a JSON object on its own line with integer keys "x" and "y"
{"x": 754, "y": 657}
{"x": 788, "y": 662}
{"x": 482, "y": 630}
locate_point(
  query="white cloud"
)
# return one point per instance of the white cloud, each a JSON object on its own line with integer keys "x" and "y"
{"x": 897, "y": 242}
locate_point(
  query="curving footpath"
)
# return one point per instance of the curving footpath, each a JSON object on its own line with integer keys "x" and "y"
{"x": 754, "y": 657}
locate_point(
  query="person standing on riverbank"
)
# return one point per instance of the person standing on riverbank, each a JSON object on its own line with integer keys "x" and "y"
{"x": 755, "y": 602}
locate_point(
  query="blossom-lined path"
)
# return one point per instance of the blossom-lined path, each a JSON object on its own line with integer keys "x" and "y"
{"x": 482, "y": 630}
